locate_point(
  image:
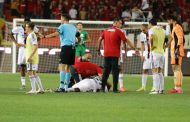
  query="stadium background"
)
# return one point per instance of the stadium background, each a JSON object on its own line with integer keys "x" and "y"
{"x": 160, "y": 9}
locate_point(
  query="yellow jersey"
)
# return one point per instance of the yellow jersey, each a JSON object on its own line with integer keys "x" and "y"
{"x": 31, "y": 40}
{"x": 158, "y": 39}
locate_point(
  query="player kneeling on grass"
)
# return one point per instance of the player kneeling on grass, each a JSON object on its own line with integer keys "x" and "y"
{"x": 32, "y": 59}
{"x": 93, "y": 84}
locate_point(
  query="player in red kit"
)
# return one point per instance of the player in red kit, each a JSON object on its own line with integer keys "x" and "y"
{"x": 112, "y": 38}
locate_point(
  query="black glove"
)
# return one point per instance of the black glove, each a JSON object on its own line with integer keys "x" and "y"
{"x": 176, "y": 52}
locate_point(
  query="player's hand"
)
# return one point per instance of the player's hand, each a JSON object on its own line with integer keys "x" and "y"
{"x": 142, "y": 58}
{"x": 41, "y": 36}
{"x": 176, "y": 53}
{"x": 19, "y": 45}
{"x": 29, "y": 60}
{"x": 137, "y": 52}
{"x": 98, "y": 53}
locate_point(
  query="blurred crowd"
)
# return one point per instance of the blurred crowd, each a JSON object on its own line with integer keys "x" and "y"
{"x": 105, "y": 10}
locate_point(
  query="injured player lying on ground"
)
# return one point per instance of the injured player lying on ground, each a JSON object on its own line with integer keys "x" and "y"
{"x": 92, "y": 84}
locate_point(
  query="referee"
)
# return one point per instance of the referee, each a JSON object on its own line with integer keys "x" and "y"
{"x": 68, "y": 34}
{"x": 112, "y": 40}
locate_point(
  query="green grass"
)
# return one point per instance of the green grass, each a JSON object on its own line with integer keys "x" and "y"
{"x": 16, "y": 106}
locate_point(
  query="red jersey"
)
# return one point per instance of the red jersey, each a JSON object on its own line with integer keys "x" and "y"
{"x": 87, "y": 69}
{"x": 112, "y": 41}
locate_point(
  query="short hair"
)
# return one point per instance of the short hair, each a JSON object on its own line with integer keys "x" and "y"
{"x": 173, "y": 18}
{"x": 79, "y": 23}
{"x": 27, "y": 19}
{"x": 145, "y": 25}
{"x": 65, "y": 16}
{"x": 31, "y": 25}
{"x": 119, "y": 19}
{"x": 153, "y": 22}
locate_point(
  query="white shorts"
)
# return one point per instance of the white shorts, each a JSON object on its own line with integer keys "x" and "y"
{"x": 32, "y": 67}
{"x": 157, "y": 60}
{"x": 87, "y": 85}
{"x": 21, "y": 56}
{"x": 147, "y": 64}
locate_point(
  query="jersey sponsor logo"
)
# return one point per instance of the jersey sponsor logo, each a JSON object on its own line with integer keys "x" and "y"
{"x": 111, "y": 30}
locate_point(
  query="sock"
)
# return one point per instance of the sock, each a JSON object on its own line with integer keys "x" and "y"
{"x": 144, "y": 79}
{"x": 32, "y": 82}
{"x": 156, "y": 81}
{"x": 161, "y": 81}
{"x": 62, "y": 79}
{"x": 23, "y": 81}
{"x": 67, "y": 80}
{"x": 120, "y": 80}
{"x": 175, "y": 79}
{"x": 39, "y": 83}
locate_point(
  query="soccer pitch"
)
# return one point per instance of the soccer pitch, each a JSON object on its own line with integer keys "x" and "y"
{"x": 131, "y": 106}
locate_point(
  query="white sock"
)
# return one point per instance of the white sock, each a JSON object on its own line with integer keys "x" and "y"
{"x": 23, "y": 81}
{"x": 161, "y": 81}
{"x": 120, "y": 80}
{"x": 144, "y": 79}
{"x": 32, "y": 82}
{"x": 39, "y": 83}
{"x": 156, "y": 81}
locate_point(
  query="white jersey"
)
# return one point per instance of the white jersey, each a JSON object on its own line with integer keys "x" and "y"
{"x": 20, "y": 38}
{"x": 168, "y": 30}
{"x": 147, "y": 60}
{"x": 144, "y": 39}
{"x": 89, "y": 84}
{"x": 20, "y": 35}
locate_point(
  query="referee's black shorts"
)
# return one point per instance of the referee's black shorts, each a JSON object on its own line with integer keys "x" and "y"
{"x": 67, "y": 55}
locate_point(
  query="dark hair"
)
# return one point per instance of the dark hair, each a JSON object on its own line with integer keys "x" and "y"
{"x": 145, "y": 25}
{"x": 66, "y": 16}
{"x": 119, "y": 19}
{"x": 153, "y": 22}
{"x": 31, "y": 25}
{"x": 79, "y": 23}
{"x": 172, "y": 17}
{"x": 27, "y": 19}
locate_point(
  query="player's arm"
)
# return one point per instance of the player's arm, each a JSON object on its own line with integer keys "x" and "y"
{"x": 179, "y": 34}
{"x": 99, "y": 44}
{"x": 88, "y": 38}
{"x": 130, "y": 43}
{"x": 168, "y": 43}
{"x": 52, "y": 35}
{"x": 125, "y": 47}
{"x": 151, "y": 41}
{"x": 142, "y": 50}
{"x": 78, "y": 39}
{"x": 14, "y": 40}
